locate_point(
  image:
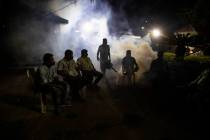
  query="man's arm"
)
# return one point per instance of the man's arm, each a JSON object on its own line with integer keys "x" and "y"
{"x": 109, "y": 54}
{"x": 61, "y": 71}
{"x": 98, "y": 53}
{"x": 91, "y": 64}
{"x": 55, "y": 74}
{"x": 123, "y": 66}
{"x": 43, "y": 75}
{"x": 79, "y": 65}
{"x": 136, "y": 65}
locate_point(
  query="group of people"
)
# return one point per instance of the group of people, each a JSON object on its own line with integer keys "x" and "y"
{"x": 57, "y": 79}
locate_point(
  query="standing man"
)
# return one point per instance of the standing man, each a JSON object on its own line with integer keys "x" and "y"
{"x": 68, "y": 69}
{"x": 160, "y": 71}
{"x": 88, "y": 70}
{"x": 129, "y": 67}
{"x": 103, "y": 55}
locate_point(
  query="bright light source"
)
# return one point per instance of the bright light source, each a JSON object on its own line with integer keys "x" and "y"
{"x": 77, "y": 31}
{"x": 94, "y": 29}
{"x": 142, "y": 27}
{"x": 87, "y": 27}
{"x": 156, "y": 33}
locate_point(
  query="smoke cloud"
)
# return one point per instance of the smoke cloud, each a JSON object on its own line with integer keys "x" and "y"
{"x": 89, "y": 23}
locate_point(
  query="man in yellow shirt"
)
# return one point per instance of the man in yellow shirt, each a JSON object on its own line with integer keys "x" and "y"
{"x": 68, "y": 70}
{"x": 88, "y": 70}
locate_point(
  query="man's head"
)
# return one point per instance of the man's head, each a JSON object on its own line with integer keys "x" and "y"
{"x": 128, "y": 53}
{"x": 68, "y": 54}
{"x": 104, "y": 41}
{"x": 84, "y": 53}
{"x": 48, "y": 59}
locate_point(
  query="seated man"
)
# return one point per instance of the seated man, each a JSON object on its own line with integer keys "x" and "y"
{"x": 201, "y": 83}
{"x": 87, "y": 69}
{"x": 129, "y": 67}
{"x": 68, "y": 69}
{"x": 49, "y": 82}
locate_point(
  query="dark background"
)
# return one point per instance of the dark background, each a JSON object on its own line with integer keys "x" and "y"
{"x": 169, "y": 14}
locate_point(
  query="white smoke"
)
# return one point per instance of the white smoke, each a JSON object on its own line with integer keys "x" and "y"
{"x": 140, "y": 49}
{"x": 88, "y": 26}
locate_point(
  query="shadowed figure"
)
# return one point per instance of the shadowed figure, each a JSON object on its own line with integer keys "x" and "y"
{"x": 90, "y": 75}
{"x": 199, "y": 87}
{"x": 49, "y": 82}
{"x": 68, "y": 70}
{"x": 129, "y": 67}
{"x": 103, "y": 55}
{"x": 181, "y": 49}
{"x": 159, "y": 71}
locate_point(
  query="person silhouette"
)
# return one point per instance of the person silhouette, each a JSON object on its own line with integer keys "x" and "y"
{"x": 129, "y": 67}
{"x": 103, "y": 55}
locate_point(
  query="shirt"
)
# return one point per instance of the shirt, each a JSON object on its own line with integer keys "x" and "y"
{"x": 47, "y": 74}
{"x": 104, "y": 51}
{"x": 85, "y": 63}
{"x": 69, "y": 66}
{"x": 129, "y": 64}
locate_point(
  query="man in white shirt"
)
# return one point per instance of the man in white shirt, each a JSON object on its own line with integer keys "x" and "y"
{"x": 88, "y": 70}
{"x": 49, "y": 81}
{"x": 68, "y": 69}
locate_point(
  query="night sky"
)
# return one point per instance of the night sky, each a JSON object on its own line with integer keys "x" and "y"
{"x": 159, "y": 10}
{"x": 131, "y": 8}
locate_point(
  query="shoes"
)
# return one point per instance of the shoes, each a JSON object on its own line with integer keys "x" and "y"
{"x": 93, "y": 87}
{"x": 44, "y": 109}
{"x": 66, "y": 105}
{"x": 96, "y": 87}
{"x": 80, "y": 99}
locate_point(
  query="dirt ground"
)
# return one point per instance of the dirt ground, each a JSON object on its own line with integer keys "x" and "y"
{"x": 137, "y": 113}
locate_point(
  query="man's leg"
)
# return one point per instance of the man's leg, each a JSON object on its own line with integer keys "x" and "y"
{"x": 74, "y": 87}
{"x": 129, "y": 78}
{"x": 63, "y": 91}
{"x": 87, "y": 78}
{"x": 98, "y": 76}
{"x": 54, "y": 93}
{"x": 133, "y": 79}
{"x": 49, "y": 88}
{"x": 103, "y": 67}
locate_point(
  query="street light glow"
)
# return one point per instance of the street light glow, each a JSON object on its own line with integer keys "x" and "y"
{"x": 87, "y": 27}
{"x": 156, "y": 33}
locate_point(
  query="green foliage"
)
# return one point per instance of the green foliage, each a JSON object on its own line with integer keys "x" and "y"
{"x": 170, "y": 57}
{"x": 197, "y": 58}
